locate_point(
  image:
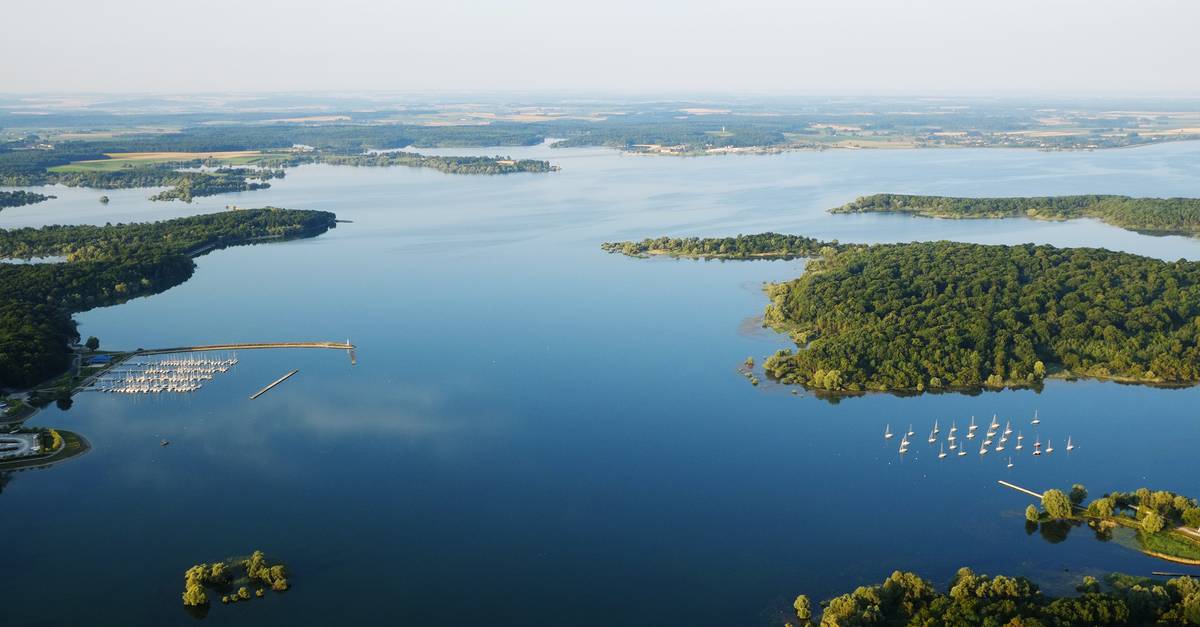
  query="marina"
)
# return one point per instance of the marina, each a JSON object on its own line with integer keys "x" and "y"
{"x": 175, "y": 374}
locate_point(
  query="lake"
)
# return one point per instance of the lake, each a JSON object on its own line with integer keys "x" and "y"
{"x": 540, "y": 433}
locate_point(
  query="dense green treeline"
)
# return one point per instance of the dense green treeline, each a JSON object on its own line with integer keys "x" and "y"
{"x": 761, "y": 245}
{"x": 109, "y": 265}
{"x": 346, "y": 138}
{"x": 21, "y": 198}
{"x": 449, "y": 165}
{"x": 1157, "y": 215}
{"x": 949, "y": 315}
{"x": 977, "y": 599}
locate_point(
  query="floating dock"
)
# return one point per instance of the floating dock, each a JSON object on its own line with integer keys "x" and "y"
{"x": 273, "y": 384}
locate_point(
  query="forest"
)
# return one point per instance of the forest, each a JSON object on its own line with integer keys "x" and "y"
{"x": 944, "y": 315}
{"x": 1177, "y": 216}
{"x": 904, "y": 598}
{"x": 939, "y": 315}
{"x": 20, "y": 198}
{"x": 108, "y": 265}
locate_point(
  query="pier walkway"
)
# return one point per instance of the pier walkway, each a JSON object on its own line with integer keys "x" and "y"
{"x": 345, "y": 346}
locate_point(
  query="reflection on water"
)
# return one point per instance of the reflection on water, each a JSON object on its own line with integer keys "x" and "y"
{"x": 532, "y": 418}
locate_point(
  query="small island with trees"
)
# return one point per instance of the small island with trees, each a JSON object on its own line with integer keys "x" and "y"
{"x": 232, "y": 580}
{"x": 952, "y": 316}
{"x": 1158, "y": 216}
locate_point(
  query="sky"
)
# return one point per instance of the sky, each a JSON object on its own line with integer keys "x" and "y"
{"x": 960, "y": 47}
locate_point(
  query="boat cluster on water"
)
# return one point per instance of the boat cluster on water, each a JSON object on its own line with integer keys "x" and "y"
{"x": 156, "y": 376}
{"x": 995, "y": 439}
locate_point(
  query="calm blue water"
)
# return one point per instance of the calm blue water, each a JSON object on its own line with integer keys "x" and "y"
{"x": 538, "y": 433}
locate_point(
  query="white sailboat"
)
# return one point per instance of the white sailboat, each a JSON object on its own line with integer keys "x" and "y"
{"x": 1049, "y": 447}
{"x": 962, "y": 451}
{"x": 1008, "y": 427}
{"x": 1037, "y": 446}
{"x": 887, "y": 432}
{"x": 1000, "y": 446}
{"x": 971, "y": 429}
{"x": 936, "y": 429}
{"x": 932, "y": 437}
{"x": 983, "y": 449}
{"x": 1010, "y": 464}
{"x": 1070, "y": 447}
{"x": 953, "y": 427}
{"x": 942, "y": 452}
{"x": 953, "y": 444}
{"x": 910, "y": 433}
{"x": 1036, "y": 420}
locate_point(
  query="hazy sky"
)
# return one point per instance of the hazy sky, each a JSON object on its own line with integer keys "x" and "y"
{"x": 859, "y": 46}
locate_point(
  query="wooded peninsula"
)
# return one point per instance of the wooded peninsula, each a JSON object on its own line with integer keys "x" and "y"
{"x": 945, "y": 315}
{"x": 1162, "y": 216}
{"x": 21, "y": 198}
{"x": 107, "y": 265}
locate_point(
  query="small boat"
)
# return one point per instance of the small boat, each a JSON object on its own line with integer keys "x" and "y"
{"x": 1037, "y": 446}
{"x": 942, "y": 452}
{"x": 936, "y": 429}
{"x": 1070, "y": 447}
{"x": 1036, "y": 420}
{"x": 983, "y": 449}
{"x": 1010, "y": 464}
{"x": 910, "y": 433}
{"x": 972, "y": 426}
{"x": 962, "y": 451}
{"x": 1049, "y": 447}
{"x": 887, "y": 432}
{"x": 1008, "y": 427}
{"x": 953, "y": 445}
{"x": 1000, "y": 446}
{"x": 163, "y": 443}
{"x": 995, "y": 424}
{"x": 951, "y": 437}
{"x": 932, "y": 437}
{"x": 953, "y": 427}
{"x": 987, "y": 442}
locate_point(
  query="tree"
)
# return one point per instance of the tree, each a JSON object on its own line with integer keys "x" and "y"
{"x": 803, "y": 608}
{"x": 1101, "y": 508}
{"x": 1191, "y": 517}
{"x": 92, "y": 343}
{"x": 1031, "y": 514}
{"x": 1056, "y": 504}
{"x": 1078, "y": 494}
{"x": 1152, "y": 523}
